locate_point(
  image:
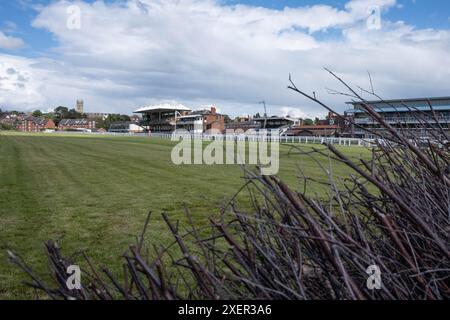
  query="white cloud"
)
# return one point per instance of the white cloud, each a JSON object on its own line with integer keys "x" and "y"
{"x": 8, "y": 42}
{"x": 198, "y": 52}
{"x": 292, "y": 112}
{"x": 19, "y": 86}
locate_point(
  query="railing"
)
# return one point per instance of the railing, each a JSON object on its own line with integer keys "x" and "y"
{"x": 355, "y": 142}
{"x": 281, "y": 139}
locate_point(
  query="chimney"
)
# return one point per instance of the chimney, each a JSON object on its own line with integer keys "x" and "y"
{"x": 213, "y": 110}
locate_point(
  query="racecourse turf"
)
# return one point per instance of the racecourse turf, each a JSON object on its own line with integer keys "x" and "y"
{"x": 93, "y": 193}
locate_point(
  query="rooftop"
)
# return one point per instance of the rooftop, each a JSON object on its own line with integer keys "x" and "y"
{"x": 403, "y": 105}
{"x": 163, "y": 107}
{"x": 274, "y": 118}
{"x": 72, "y": 122}
{"x": 37, "y": 121}
{"x": 409, "y": 100}
{"x": 315, "y": 127}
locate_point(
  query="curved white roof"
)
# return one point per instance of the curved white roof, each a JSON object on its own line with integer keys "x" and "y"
{"x": 164, "y": 107}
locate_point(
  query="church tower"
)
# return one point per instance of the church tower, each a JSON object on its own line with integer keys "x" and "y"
{"x": 80, "y": 106}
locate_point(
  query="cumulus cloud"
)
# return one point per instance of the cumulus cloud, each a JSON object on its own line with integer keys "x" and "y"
{"x": 9, "y": 42}
{"x": 200, "y": 52}
{"x": 292, "y": 112}
{"x": 19, "y": 86}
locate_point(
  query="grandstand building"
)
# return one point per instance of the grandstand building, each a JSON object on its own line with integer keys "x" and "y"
{"x": 410, "y": 115}
{"x": 162, "y": 117}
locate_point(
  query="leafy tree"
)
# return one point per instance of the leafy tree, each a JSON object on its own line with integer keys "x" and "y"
{"x": 37, "y": 113}
{"x": 66, "y": 113}
{"x": 227, "y": 119}
{"x": 61, "y": 111}
{"x": 106, "y": 123}
{"x": 308, "y": 122}
{"x": 4, "y": 126}
{"x": 73, "y": 114}
{"x": 50, "y": 115}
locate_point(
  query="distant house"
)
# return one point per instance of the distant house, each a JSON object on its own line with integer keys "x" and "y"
{"x": 33, "y": 124}
{"x": 7, "y": 120}
{"x": 12, "y": 119}
{"x": 77, "y": 124}
{"x": 125, "y": 127}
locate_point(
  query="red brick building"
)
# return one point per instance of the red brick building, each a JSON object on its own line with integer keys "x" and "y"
{"x": 76, "y": 124}
{"x": 33, "y": 124}
{"x": 201, "y": 121}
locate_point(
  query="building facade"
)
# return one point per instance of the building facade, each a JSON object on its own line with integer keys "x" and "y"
{"x": 12, "y": 119}
{"x": 201, "y": 121}
{"x": 76, "y": 125}
{"x": 413, "y": 116}
{"x": 33, "y": 124}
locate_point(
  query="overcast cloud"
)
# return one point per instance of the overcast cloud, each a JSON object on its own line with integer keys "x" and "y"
{"x": 201, "y": 52}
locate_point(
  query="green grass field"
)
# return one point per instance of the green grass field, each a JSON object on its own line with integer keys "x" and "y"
{"x": 94, "y": 193}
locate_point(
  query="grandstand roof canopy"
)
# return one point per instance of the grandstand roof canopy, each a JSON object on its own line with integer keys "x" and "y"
{"x": 403, "y": 105}
{"x": 392, "y": 101}
{"x": 163, "y": 107}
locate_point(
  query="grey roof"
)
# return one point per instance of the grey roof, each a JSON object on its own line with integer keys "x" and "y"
{"x": 75, "y": 122}
{"x": 408, "y": 100}
{"x": 275, "y": 118}
{"x": 37, "y": 121}
{"x": 403, "y": 105}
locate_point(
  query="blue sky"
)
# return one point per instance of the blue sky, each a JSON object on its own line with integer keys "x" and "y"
{"x": 420, "y": 13}
{"x": 126, "y": 56}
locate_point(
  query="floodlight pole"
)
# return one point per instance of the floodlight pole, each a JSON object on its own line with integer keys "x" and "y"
{"x": 265, "y": 113}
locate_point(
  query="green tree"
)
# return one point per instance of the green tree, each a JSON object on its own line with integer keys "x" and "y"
{"x": 4, "y": 126}
{"x": 61, "y": 111}
{"x": 37, "y": 113}
{"x": 106, "y": 123}
{"x": 308, "y": 122}
{"x": 50, "y": 115}
{"x": 73, "y": 114}
{"x": 227, "y": 119}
